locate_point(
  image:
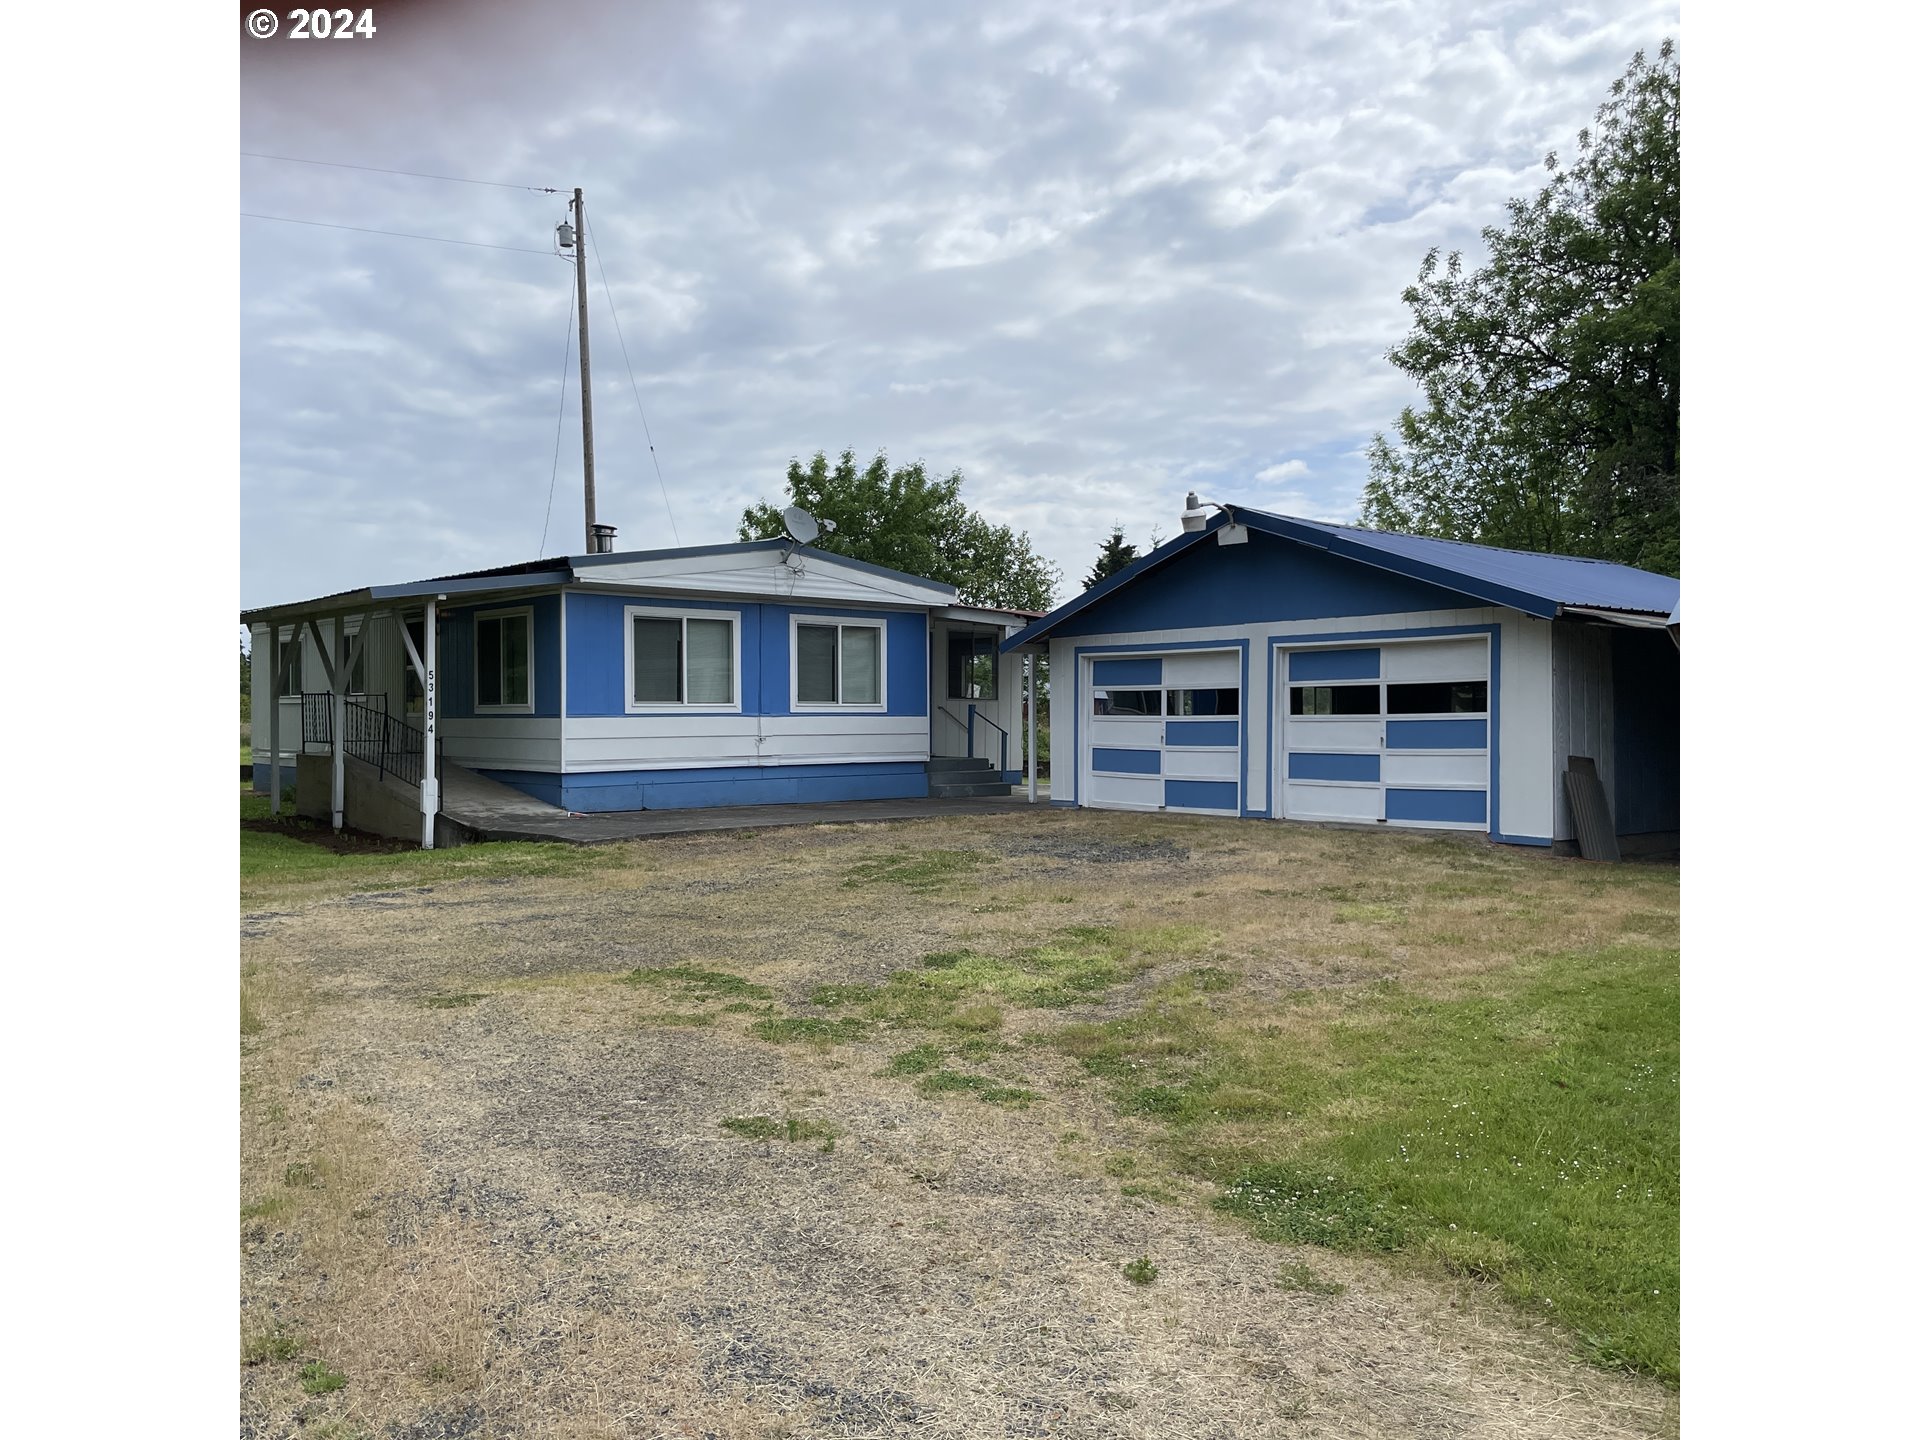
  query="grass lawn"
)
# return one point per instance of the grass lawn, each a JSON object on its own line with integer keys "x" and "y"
{"x": 280, "y": 867}
{"x": 1366, "y": 1055}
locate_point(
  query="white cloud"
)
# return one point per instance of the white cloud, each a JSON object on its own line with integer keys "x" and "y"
{"x": 1091, "y": 254}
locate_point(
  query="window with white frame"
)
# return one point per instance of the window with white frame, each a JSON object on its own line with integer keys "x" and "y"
{"x": 352, "y": 643}
{"x": 838, "y": 662}
{"x": 291, "y": 650}
{"x": 682, "y": 658}
{"x": 503, "y": 660}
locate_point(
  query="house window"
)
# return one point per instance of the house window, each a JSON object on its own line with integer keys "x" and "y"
{"x": 973, "y": 665}
{"x": 290, "y": 651}
{"x": 836, "y": 663}
{"x": 503, "y": 661}
{"x": 357, "y": 675}
{"x": 680, "y": 659}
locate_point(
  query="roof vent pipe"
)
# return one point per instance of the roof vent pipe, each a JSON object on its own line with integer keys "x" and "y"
{"x": 603, "y": 539}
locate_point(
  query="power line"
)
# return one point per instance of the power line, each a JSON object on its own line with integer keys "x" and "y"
{"x": 397, "y": 234}
{"x": 645, "y": 428}
{"x": 411, "y": 174}
{"x": 560, "y": 420}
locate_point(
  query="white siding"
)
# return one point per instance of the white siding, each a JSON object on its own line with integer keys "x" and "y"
{"x": 1582, "y": 710}
{"x": 676, "y": 742}
{"x": 1527, "y": 784}
{"x": 502, "y": 742}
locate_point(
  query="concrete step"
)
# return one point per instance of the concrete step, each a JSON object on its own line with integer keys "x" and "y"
{"x": 943, "y": 764}
{"x": 939, "y": 790}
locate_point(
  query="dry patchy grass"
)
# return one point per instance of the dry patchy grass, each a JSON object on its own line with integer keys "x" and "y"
{"x": 524, "y": 1207}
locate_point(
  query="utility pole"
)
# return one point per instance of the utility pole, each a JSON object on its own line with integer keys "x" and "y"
{"x": 586, "y": 386}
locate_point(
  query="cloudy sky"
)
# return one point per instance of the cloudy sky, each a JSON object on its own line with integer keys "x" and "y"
{"x": 1092, "y": 256}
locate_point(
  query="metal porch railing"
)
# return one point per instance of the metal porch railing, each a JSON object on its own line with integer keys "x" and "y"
{"x": 389, "y": 744}
{"x": 973, "y": 715}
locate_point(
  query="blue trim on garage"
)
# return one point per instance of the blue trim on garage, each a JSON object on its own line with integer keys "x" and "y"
{"x": 1334, "y": 665}
{"x": 1436, "y": 734}
{"x": 1126, "y": 762}
{"x": 1267, "y": 579}
{"x": 1203, "y": 732}
{"x": 1449, "y": 807}
{"x": 1202, "y": 795}
{"x": 1312, "y": 765}
{"x": 1116, "y": 673}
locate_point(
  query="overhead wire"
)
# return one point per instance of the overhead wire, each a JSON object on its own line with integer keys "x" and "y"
{"x": 411, "y": 174}
{"x": 397, "y": 234}
{"x": 559, "y": 424}
{"x": 646, "y": 429}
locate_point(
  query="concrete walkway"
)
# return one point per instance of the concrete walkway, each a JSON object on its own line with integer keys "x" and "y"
{"x": 492, "y": 811}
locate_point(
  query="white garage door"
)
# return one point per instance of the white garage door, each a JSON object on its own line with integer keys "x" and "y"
{"x": 1391, "y": 733}
{"x": 1162, "y": 732}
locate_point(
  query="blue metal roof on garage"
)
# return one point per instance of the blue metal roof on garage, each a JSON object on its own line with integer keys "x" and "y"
{"x": 1537, "y": 584}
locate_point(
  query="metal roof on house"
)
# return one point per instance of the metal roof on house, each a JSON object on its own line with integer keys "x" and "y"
{"x": 1545, "y": 585}
{"x": 560, "y": 571}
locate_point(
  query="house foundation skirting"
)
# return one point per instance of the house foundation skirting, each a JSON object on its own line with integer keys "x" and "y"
{"x": 697, "y": 789}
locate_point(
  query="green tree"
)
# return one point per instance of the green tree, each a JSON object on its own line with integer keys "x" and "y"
{"x": 1115, "y": 555}
{"x": 1551, "y": 374}
{"x": 246, "y": 681}
{"x": 901, "y": 517}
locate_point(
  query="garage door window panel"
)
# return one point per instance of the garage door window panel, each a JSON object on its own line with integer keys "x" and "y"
{"x": 1334, "y": 700}
{"x": 1460, "y": 697}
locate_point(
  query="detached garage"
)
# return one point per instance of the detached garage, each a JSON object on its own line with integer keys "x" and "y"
{"x": 1265, "y": 666}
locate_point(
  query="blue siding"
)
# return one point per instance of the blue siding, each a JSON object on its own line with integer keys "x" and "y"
{"x": 1127, "y": 762}
{"x": 456, "y": 657}
{"x": 1203, "y": 794}
{"x": 1646, "y": 733}
{"x": 1203, "y": 732}
{"x": 1126, "y": 672}
{"x": 1453, "y": 807}
{"x": 1306, "y": 765}
{"x": 1436, "y": 734}
{"x": 540, "y": 784}
{"x": 1334, "y": 665}
{"x": 1265, "y": 579}
{"x": 745, "y": 785}
{"x": 597, "y": 653}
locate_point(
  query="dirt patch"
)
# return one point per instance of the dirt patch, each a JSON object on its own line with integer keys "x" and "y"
{"x": 549, "y": 1230}
{"x": 341, "y": 842}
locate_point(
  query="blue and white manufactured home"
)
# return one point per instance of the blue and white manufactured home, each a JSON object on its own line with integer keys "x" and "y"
{"x": 755, "y": 673}
{"x": 1260, "y": 665}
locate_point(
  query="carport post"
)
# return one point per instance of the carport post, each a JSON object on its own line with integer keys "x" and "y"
{"x": 273, "y": 716}
{"x": 339, "y": 678}
{"x": 1033, "y": 728}
{"x": 430, "y": 713}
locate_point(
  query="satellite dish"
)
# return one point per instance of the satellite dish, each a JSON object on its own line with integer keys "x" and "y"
{"x": 801, "y": 527}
